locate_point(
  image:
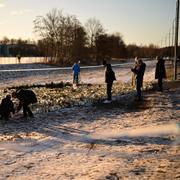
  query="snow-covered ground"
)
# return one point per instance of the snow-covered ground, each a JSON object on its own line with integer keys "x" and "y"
{"x": 122, "y": 140}
{"x": 46, "y": 74}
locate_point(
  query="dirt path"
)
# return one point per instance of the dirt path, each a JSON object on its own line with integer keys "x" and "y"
{"x": 59, "y": 145}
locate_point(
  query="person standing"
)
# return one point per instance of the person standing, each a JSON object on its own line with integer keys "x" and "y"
{"x": 25, "y": 97}
{"x": 19, "y": 58}
{"x": 133, "y": 80}
{"x": 76, "y": 71}
{"x": 139, "y": 70}
{"x": 160, "y": 72}
{"x": 109, "y": 78}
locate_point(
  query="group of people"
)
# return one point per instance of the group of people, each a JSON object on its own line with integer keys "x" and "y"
{"x": 25, "y": 97}
{"x": 109, "y": 78}
{"x": 138, "y": 71}
{"x": 138, "y": 74}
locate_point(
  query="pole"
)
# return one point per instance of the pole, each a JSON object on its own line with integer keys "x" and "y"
{"x": 165, "y": 41}
{"x": 176, "y": 39}
{"x": 172, "y": 39}
{"x": 169, "y": 39}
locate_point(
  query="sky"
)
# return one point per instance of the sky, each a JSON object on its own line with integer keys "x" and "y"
{"x": 141, "y": 22}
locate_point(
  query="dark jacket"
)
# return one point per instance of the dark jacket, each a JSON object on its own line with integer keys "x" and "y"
{"x": 6, "y": 106}
{"x": 160, "y": 69}
{"x": 139, "y": 71}
{"x": 109, "y": 74}
{"x": 26, "y": 96}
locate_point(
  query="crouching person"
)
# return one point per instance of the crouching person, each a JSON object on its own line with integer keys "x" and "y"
{"x": 6, "y": 107}
{"x": 25, "y": 97}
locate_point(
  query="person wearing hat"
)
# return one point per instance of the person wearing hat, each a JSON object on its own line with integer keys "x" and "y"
{"x": 139, "y": 70}
{"x": 25, "y": 97}
{"x": 6, "y": 107}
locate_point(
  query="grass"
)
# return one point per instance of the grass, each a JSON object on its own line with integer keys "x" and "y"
{"x": 57, "y": 95}
{"x": 170, "y": 71}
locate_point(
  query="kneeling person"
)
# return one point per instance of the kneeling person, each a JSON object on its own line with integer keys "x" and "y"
{"x": 25, "y": 97}
{"x": 6, "y": 107}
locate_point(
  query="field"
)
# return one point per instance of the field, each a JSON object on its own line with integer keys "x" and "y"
{"x": 74, "y": 135}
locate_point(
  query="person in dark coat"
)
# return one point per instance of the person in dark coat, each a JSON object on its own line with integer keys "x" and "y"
{"x": 6, "y": 107}
{"x": 25, "y": 97}
{"x": 109, "y": 78}
{"x": 139, "y": 70}
{"x": 160, "y": 72}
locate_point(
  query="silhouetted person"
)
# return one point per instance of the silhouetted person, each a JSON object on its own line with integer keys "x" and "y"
{"x": 19, "y": 58}
{"x": 109, "y": 78}
{"x": 25, "y": 97}
{"x": 133, "y": 80}
{"x": 139, "y": 70}
{"x": 6, "y": 107}
{"x": 160, "y": 72}
{"x": 76, "y": 71}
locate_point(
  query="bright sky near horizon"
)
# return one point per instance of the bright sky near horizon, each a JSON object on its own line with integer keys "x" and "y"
{"x": 139, "y": 21}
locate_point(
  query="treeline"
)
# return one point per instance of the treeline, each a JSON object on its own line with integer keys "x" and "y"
{"x": 14, "y": 47}
{"x": 63, "y": 40}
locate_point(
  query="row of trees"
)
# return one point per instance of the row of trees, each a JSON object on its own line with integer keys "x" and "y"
{"x": 14, "y": 47}
{"x": 63, "y": 40}
{"x": 105, "y": 46}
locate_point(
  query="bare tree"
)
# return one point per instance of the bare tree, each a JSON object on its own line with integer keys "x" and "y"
{"x": 46, "y": 27}
{"x": 60, "y": 33}
{"x": 5, "y": 40}
{"x": 93, "y": 29}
